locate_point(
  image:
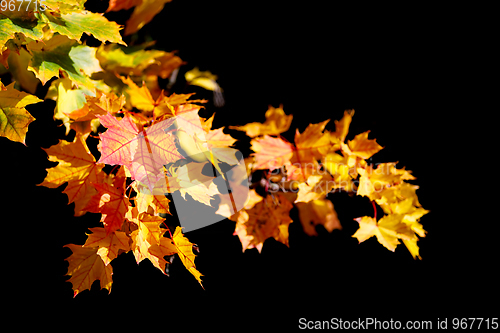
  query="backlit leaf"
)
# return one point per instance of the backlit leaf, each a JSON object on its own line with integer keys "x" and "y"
{"x": 62, "y": 53}
{"x": 14, "y": 118}
{"x": 74, "y": 24}
{"x": 78, "y": 167}
{"x": 86, "y": 266}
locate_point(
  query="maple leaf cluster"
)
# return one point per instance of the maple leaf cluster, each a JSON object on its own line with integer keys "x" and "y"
{"x": 159, "y": 145}
{"x": 317, "y": 163}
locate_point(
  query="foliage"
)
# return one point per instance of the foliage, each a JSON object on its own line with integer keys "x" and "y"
{"x": 114, "y": 90}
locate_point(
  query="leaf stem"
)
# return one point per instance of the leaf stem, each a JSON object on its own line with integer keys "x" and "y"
{"x": 168, "y": 229}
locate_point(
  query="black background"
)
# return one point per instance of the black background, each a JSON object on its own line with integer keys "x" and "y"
{"x": 394, "y": 66}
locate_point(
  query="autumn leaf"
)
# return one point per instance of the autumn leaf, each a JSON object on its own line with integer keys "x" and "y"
{"x": 271, "y": 153}
{"x": 163, "y": 248}
{"x": 140, "y": 97}
{"x": 119, "y": 143}
{"x": 276, "y": 123}
{"x": 78, "y": 167}
{"x": 342, "y": 126}
{"x": 155, "y": 148}
{"x": 122, "y": 60}
{"x": 266, "y": 219}
{"x": 316, "y": 187}
{"x": 164, "y": 106}
{"x": 151, "y": 204}
{"x": 108, "y": 244}
{"x": 63, "y": 54}
{"x": 14, "y": 118}
{"x": 143, "y": 13}
{"x": 318, "y": 212}
{"x": 185, "y": 252}
{"x": 192, "y": 181}
{"x": 361, "y": 146}
{"x": 100, "y": 104}
{"x": 412, "y": 246}
{"x": 387, "y": 230}
{"x": 86, "y": 266}
{"x": 373, "y": 181}
{"x": 69, "y": 99}
{"x": 312, "y": 144}
{"x": 112, "y": 202}
{"x": 19, "y": 22}
{"x": 395, "y": 193}
{"x": 73, "y": 24}
{"x": 368, "y": 227}
{"x": 148, "y": 234}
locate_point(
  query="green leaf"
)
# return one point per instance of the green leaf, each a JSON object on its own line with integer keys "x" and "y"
{"x": 14, "y": 118}
{"x": 62, "y": 53}
{"x": 75, "y": 24}
{"x": 11, "y": 24}
{"x": 125, "y": 61}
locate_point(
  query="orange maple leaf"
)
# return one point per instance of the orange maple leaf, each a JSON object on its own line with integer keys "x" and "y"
{"x": 313, "y": 143}
{"x": 266, "y": 219}
{"x": 143, "y": 14}
{"x": 78, "y": 167}
{"x": 86, "y": 266}
{"x": 108, "y": 244}
{"x": 112, "y": 204}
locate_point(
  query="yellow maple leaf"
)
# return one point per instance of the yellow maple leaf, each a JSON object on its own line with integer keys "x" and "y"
{"x": 14, "y": 118}
{"x": 147, "y": 234}
{"x": 276, "y": 122}
{"x": 317, "y": 187}
{"x": 368, "y": 227}
{"x": 152, "y": 204}
{"x": 342, "y": 126}
{"x": 361, "y": 146}
{"x": 395, "y": 193}
{"x": 387, "y": 230}
{"x": 373, "y": 181}
{"x": 185, "y": 252}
